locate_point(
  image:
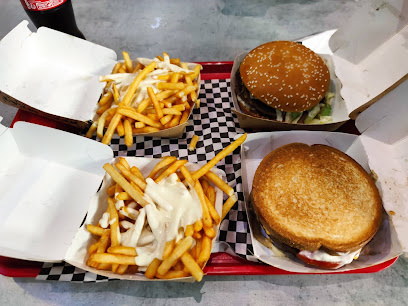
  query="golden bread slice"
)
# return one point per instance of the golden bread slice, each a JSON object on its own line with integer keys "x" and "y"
{"x": 313, "y": 197}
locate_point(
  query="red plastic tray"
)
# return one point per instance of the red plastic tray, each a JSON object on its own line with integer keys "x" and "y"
{"x": 219, "y": 263}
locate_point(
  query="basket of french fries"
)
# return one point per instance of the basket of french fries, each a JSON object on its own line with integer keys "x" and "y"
{"x": 154, "y": 218}
{"x": 150, "y": 97}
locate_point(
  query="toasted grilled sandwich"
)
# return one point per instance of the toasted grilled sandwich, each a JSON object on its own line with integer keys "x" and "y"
{"x": 317, "y": 201}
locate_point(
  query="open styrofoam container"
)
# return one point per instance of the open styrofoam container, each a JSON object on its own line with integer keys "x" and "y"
{"x": 368, "y": 57}
{"x": 49, "y": 181}
{"x": 382, "y": 149}
{"x": 58, "y": 80}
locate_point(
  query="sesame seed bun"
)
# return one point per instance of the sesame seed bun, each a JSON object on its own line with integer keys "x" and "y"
{"x": 285, "y": 75}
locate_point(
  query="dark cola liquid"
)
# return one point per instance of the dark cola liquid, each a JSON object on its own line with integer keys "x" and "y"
{"x": 60, "y": 18}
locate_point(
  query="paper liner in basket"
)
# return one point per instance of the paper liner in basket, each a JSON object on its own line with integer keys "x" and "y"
{"x": 77, "y": 254}
{"x": 384, "y": 246}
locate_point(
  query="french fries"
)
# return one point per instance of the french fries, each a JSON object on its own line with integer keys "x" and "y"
{"x": 119, "y": 179}
{"x": 152, "y": 268}
{"x": 129, "y": 215}
{"x": 168, "y": 94}
{"x": 219, "y": 157}
{"x": 193, "y": 143}
{"x": 96, "y": 230}
{"x": 113, "y": 259}
{"x": 219, "y": 183}
{"x": 180, "y": 249}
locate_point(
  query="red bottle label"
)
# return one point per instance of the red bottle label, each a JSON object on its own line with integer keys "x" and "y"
{"x": 41, "y": 5}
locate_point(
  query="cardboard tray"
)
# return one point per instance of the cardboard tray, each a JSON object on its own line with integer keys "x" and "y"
{"x": 219, "y": 263}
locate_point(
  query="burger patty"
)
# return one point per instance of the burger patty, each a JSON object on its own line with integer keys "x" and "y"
{"x": 251, "y": 105}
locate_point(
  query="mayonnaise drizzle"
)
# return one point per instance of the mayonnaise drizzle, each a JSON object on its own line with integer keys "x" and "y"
{"x": 123, "y": 80}
{"x": 342, "y": 258}
{"x": 129, "y": 212}
{"x": 104, "y": 221}
{"x": 163, "y": 65}
{"x": 131, "y": 236}
{"x": 155, "y": 220}
{"x": 132, "y": 205}
{"x": 119, "y": 204}
{"x": 126, "y": 224}
{"x": 171, "y": 208}
{"x": 177, "y": 205}
{"x": 146, "y": 237}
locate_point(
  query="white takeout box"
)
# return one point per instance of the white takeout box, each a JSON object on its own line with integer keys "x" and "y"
{"x": 56, "y": 75}
{"x": 381, "y": 148}
{"x": 48, "y": 182}
{"x": 47, "y": 179}
{"x": 369, "y": 56}
{"x": 77, "y": 253}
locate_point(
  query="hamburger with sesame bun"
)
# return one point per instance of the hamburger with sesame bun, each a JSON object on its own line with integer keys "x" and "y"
{"x": 316, "y": 203}
{"x": 284, "y": 81}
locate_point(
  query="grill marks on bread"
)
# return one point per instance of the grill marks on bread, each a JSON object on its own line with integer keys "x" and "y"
{"x": 316, "y": 196}
{"x": 285, "y": 75}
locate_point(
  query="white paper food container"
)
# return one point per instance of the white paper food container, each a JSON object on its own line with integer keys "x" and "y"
{"x": 77, "y": 253}
{"x": 340, "y": 114}
{"x": 369, "y": 57}
{"x": 48, "y": 183}
{"x": 56, "y": 75}
{"x": 382, "y": 147}
{"x": 47, "y": 179}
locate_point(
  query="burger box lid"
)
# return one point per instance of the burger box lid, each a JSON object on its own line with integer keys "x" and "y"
{"x": 382, "y": 149}
{"x": 49, "y": 181}
{"x": 368, "y": 58}
{"x": 52, "y": 72}
{"x": 56, "y": 75}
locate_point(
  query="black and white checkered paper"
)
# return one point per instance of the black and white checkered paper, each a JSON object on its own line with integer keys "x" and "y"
{"x": 216, "y": 127}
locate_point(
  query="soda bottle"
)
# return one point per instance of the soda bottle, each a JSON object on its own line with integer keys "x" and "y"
{"x": 54, "y": 14}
